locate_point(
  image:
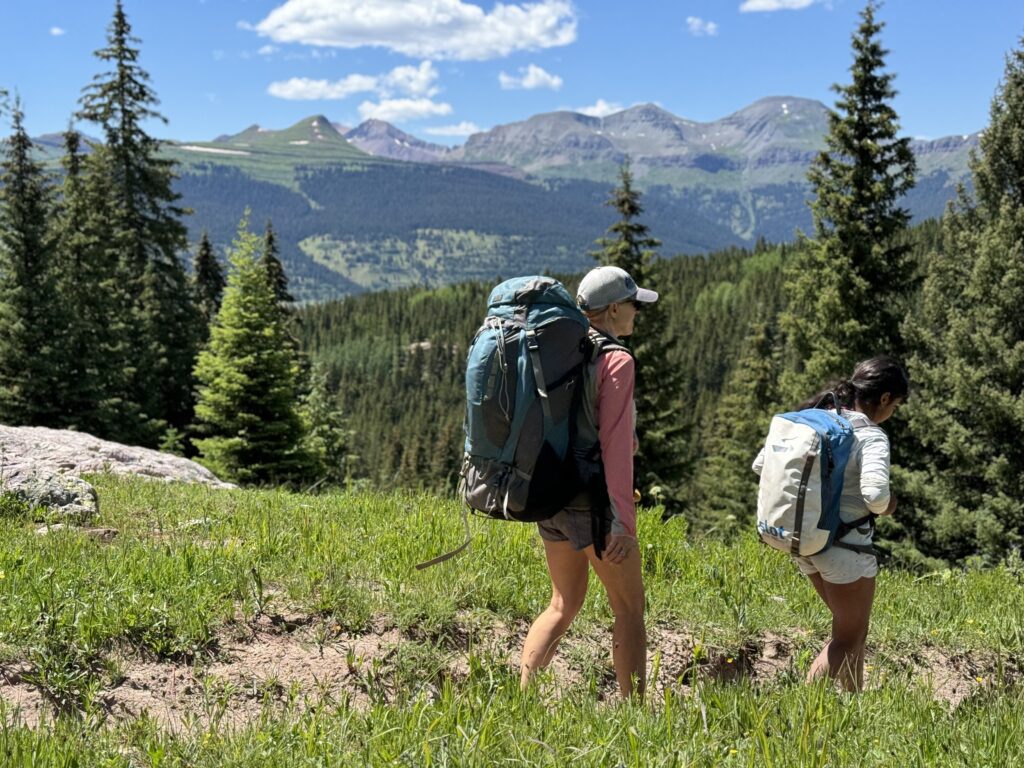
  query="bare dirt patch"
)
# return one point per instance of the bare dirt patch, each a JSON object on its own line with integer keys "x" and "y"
{"x": 953, "y": 678}
{"x": 296, "y": 662}
{"x": 278, "y": 664}
{"x": 23, "y": 701}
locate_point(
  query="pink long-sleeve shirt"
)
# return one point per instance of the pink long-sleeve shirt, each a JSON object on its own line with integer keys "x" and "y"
{"x": 616, "y": 427}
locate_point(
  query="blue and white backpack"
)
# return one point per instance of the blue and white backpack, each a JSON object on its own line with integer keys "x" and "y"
{"x": 805, "y": 458}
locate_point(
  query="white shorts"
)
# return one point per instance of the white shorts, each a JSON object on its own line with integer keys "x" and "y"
{"x": 839, "y": 566}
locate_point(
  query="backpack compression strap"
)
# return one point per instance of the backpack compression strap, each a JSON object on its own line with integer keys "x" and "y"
{"x": 538, "y": 374}
{"x": 454, "y": 552}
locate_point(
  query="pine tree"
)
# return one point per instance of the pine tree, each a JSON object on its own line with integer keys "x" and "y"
{"x": 724, "y": 489}
{"x": 33, "y": 362}
{"x": 659, "y": 462}
{"x": 143, "y": 232}
{"x": 327, "y": 437}
{"x": 80, "y": 290}
{"x": 246, "y": 419}
{"x": 848, "y": 289}
{"x": 968, "y": 370}
{"x": 274, "y": 268}
{"x": 207, "y": 283}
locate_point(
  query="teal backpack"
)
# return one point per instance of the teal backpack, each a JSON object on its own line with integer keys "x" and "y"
{"x": 524, "y": 381}
{"x": 524, "y": 388}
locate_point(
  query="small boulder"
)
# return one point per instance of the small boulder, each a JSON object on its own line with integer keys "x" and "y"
{"x": 65, "y": 496}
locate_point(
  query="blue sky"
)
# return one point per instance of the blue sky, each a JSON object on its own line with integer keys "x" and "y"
{"x": 443, "y": 68}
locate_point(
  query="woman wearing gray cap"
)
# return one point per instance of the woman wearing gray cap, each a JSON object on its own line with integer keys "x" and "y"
{"x": 606, "y": 514}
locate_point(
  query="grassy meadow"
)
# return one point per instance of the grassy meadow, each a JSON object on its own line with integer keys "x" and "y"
{"x": 240, "y": 628}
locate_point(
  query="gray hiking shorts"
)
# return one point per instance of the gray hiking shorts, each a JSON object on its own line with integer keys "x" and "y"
{"x": 839, "y": 566}
{"x": 572, "y": 524}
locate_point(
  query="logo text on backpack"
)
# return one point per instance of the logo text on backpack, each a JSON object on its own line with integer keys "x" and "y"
{"x": 771, "y": 530}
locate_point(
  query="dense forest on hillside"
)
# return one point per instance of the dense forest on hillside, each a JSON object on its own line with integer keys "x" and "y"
{"x": 410, "y": 346}
{"x": 397, "y": 359}
{"x": 344, "y": 229}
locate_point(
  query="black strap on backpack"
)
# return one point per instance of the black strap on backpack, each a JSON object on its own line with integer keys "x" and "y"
{"x": 845, "y": 528}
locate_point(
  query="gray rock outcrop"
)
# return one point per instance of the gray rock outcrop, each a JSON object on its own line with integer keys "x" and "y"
{"x": 42, "y": 466}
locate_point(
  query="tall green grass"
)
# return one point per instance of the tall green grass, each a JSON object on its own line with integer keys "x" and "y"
{"x": 189, "y": 561}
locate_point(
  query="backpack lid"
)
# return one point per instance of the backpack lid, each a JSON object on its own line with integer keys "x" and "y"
{"x": 533, "y": 289}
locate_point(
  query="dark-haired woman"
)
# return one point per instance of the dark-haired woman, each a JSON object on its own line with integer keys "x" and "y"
{"x": 845, "y": 579}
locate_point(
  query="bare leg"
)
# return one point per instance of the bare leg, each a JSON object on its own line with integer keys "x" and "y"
{"x": 625, "y": 587}
{"x": 819, "y": 587}
{"x": 842, "y": 657}
{"x": 569, "y": 572}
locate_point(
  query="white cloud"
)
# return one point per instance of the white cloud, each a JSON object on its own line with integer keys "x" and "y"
{"x": 600, "y": 109}
{"x": 405, "y": 80}
{"x": 57, "y": 31}
{"x": 441, "y": 29}
{"x": 700, "y": 28}
{"x": 267, "y": 50}
{"x": 462, "y": 129}
{"x": 400, "y": 110}
{"x": 530, "y": 77}
{"x": 754, "y": 6}
{"x": 415, "y": 81}
{"x": 304, "y": 88}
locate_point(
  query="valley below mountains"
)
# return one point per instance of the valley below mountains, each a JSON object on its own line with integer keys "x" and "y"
{"x": 372, "y": 207}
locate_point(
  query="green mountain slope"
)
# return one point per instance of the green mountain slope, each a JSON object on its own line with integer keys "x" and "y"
{"x": 347, "y": 227}
{"x": 274, "y": 156}
{"x": 526, "y": 196}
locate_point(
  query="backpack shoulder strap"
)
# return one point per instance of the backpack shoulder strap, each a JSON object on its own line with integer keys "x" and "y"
{"x": 602, "y": 343}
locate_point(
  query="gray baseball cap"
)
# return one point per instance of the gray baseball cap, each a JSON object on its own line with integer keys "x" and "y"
{"x": 609, "y": 285}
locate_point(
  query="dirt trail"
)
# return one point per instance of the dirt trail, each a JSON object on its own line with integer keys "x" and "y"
{"x": 295, "y": 662}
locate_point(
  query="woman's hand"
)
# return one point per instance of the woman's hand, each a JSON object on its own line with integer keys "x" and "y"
{"x": 618, "y": 547}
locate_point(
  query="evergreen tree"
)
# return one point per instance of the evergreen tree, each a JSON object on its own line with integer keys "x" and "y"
{"x": 724, "y": 489}
{"x": 327, "y": 437}
{"x": 968, "y": 368}
{"x": 81, "y": 292}
{"x": 659, "y": 462}
{"x": 143, "y": 232}
{"x": 246, "y": 419}
{"x": 33, "y": 363}
{"x": 93, "y": 286}
{"x": 274, "y": 268}
{"x": 207, "y": 283}
{"x": 848, "y": 289}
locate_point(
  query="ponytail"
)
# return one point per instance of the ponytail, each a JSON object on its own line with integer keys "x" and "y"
{"x": 842, "y": 389}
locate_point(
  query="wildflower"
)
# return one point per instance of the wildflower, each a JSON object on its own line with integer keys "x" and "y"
{"x": 935, "y": 631}
{"x": 732, "y": 752}
{"x": 3, "y": 574}
{"x": 979, "y": 679}
{"x": 729, "y": 660}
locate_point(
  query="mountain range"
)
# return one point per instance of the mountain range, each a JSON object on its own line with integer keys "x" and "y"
{"x": 372, "y": 207}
